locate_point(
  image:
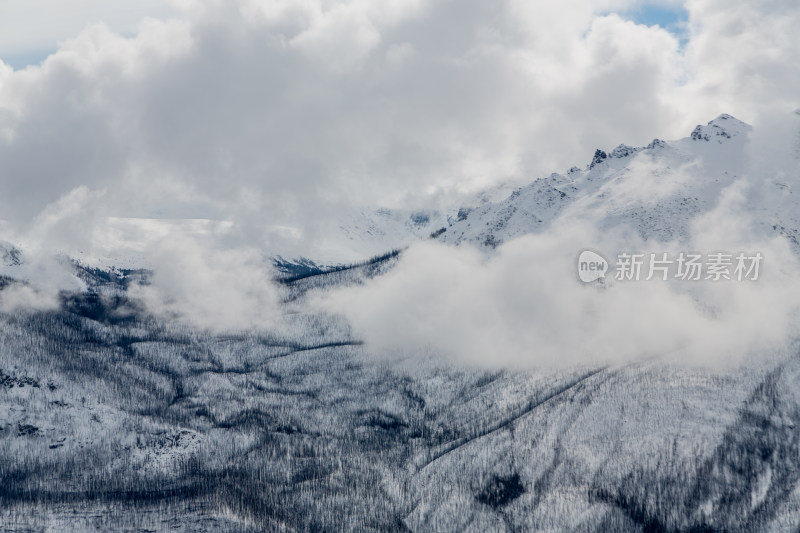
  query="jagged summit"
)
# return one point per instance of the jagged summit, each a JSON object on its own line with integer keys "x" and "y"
{"x": 10, "y": 255}
{"x": 721, "y": 128}
{"x": 678, "y": 180}
{"x": 680, "y": 191}
{"x": 599, "y": 157}
{"x": 623, "y": 150}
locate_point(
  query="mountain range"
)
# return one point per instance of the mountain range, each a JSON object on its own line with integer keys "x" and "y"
{"x": 116, "y": 418}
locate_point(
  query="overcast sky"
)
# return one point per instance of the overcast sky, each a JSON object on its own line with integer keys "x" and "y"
{"x": 287, "y": 111}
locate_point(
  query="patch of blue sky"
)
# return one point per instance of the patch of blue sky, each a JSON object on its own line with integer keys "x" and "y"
{"x": 668, "y": 15}
{"x": 20, "y": 60}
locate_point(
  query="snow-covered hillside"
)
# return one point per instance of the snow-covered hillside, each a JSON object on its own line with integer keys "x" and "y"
{"x": 654, "y": 191}
{"x": 115, "y": 417}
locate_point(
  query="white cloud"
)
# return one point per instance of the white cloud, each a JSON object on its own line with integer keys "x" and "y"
{"x": 739, "y": 55}
{"x": 210, "y": 286}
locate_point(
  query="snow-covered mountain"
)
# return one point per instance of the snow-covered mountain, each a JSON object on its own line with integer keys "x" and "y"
{"x": 118, "y": 419}
{"x": 654, "y": 191}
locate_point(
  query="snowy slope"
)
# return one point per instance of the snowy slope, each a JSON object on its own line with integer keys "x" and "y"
{"x": 654, "y": 191}
{"x": 114, "y": 423}
{"x": 111, "y": 419}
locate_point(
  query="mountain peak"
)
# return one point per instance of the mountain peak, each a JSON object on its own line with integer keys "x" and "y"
{"x": 721, "y": 128}
{"x": 729, "y": 120}
{"x": 10, "y": 255}
{"x": 599, "y": 157}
